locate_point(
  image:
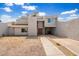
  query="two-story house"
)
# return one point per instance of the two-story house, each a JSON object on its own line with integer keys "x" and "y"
{"x": 33, "y": 25}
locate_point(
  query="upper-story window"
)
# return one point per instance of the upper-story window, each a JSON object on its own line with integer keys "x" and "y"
{"x": 50, "y": 20}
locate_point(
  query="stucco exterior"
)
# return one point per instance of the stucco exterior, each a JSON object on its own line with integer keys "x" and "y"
{"x": 69, "y": 29}
{"x": 3, "y": 29}
{"x": 61, "y": 29}
{"x": 33, "y": 24}
{"x": 18, "y": 32}
{"x": 73, "y": 29}
{"x": 30, "y": 24}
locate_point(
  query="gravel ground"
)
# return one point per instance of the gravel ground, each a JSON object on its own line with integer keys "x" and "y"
{"x": 21, "y": 46}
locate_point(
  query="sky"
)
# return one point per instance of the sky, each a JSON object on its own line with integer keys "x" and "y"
{"x": 12, "y": 11}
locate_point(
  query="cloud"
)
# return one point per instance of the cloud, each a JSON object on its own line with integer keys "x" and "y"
{"x": 41, "y": 13}
{"x": 69, "y": 12}
{"x": 70, "y": 17}
{"x": 9, "y": 4}
{"x": 7, "y": 18}
{"x": 7, "y": 9}
{"x": 19, "y": 3}
{"x": 24, "y": 12}
{"x": 73, "y": 15}
{"x": 29, "y": 7}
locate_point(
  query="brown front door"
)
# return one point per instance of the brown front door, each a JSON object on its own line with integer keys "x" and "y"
{"x": 40, "y": 31}
{"x": 40, "y": 27}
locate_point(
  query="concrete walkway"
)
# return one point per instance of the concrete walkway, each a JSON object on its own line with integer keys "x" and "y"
{"x": 50, "y": 48}
{"x": 70, "y": 44}
{"x": 65, "y": 50}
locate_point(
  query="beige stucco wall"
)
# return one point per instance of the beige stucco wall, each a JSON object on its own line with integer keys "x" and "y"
{"x": 11, "y": 31}
{"x": 61, "y": 29}
{"x": 68, "y": 29}
{"x": 73, "y": 29}
{"x": 18, "y": 31}
{"x": 32, "y": 26}
{"x": 3, "y": 29}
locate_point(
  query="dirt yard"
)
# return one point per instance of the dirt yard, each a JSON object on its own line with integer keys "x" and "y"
{"x": 38, "y": 46}
{"x": 21, "y": 46}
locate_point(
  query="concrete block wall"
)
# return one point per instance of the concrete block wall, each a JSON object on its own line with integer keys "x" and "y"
{"x": 10, "y": 31}
{"x": 3, "y": 29}
{"x": 69, "y": 29}
{"x": 73, "y": 29}
{"x": 61, "y": 29}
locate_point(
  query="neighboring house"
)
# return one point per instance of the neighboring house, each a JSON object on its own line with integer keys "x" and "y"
{"x": 33, "y": 25}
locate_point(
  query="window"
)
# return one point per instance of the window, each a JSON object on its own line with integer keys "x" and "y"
{"x": 23, "y": 30}
{"x": 49, "y": 20}
{"x": 34, "y": 15}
